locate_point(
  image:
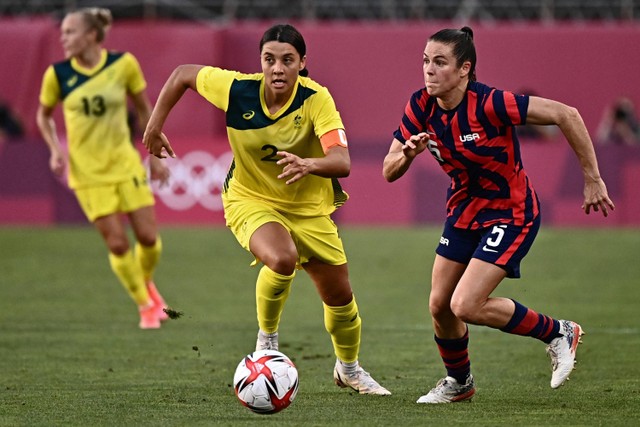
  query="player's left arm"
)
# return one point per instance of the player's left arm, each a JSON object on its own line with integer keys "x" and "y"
{"x": 158, "y": 169}
{"x": 542, "y": 111}
{"x": 336, "y": 162}
{"x": 143, "y": 108}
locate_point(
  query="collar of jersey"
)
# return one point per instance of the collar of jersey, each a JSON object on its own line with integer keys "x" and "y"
{"x": 90, "y": 71}
{"x": 285, "y": 107}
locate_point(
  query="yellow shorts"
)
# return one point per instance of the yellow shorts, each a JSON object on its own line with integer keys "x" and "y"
{"x": 314, "y": 237}
{"x": 123, "y": 197}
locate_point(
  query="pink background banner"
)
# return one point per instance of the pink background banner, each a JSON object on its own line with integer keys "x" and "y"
{"x": 371, "y": 70}
{"x": 31, "y": 195}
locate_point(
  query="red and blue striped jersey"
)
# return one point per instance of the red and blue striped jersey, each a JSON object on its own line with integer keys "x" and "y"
{"x": 477, "y": 146}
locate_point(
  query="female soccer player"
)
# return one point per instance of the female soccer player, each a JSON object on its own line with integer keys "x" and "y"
{"x": 289, "y": 148}
{"x": 492, "y": 209}
{"x": 105, "y": 170}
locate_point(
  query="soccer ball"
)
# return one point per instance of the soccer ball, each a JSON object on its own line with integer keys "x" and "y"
{"x": 266, "y": 381}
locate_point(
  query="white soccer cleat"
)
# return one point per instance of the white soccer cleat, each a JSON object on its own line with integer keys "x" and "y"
{"x": 562, "y": 351}
{"x": 448, "y": 390}
{"x": 359, "y": 380}
{"x": 267, "y": 341}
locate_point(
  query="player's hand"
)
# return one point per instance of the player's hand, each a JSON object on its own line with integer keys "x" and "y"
{"x": 57, "y": 163}
{"x": 157, "y": 144}
{"x": 596, "y": 197}
{"x": 159, "y": 171}
{"x": 294, "y": 168}
{"x": 415, "y": 145}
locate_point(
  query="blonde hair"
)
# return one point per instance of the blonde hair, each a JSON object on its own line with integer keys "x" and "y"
{"x": 98, "y": 19}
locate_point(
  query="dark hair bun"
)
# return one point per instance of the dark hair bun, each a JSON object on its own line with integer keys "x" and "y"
{"x": 468, "y": 31}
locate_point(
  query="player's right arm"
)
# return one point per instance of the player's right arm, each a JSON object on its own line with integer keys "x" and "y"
{"x": 400, "y": 156}
{"x": 47, "y": 127}
{"x": 49, "y": 96}
{"x": 183, "y": 77}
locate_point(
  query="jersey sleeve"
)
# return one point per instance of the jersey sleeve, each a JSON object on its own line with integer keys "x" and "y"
{"x": 50, "y": 89}
{"x": 506, "y": 108}
{"x": 214, "y": 84}
{"x": 135, "y": 78}
{"x": 327, "y": 117}
{"x": 411, "y": 123}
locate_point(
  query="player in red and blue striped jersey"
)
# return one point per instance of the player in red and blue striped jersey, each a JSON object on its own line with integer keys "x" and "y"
{"x": 479, "y": 152}
{"x": 493, "y": 212}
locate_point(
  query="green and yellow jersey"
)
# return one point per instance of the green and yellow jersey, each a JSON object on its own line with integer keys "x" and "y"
{"x": 255, "y": 136}
{"x": 95, "y": 114}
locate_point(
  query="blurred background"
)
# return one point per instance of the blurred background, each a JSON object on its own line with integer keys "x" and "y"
{"x": 369, "y": 55}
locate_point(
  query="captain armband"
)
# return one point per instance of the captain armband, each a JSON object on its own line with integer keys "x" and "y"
{"x": 333, "y": 138}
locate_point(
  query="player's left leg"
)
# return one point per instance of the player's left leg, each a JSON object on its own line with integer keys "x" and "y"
{"x": 472, "y": 304}
{"x": 502, "y": 247}
{"x": 342, "y": 321}
{"x": 147, "y": 252}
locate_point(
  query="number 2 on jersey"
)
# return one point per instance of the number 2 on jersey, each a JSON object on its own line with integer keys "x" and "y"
{"x": 273, "y": 153}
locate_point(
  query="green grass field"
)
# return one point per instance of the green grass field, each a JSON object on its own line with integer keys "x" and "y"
{"x": 71, "y": 352}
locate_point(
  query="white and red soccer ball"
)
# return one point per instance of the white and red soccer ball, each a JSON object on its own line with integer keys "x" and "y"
{"x": 266, "y": 381}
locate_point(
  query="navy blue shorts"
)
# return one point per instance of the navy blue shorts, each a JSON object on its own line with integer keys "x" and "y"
{"x": 504, "y": 245}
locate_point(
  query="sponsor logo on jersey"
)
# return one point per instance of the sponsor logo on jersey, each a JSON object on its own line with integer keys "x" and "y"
{"x": 249, "y": 115}
{"x": 72, "y": 80}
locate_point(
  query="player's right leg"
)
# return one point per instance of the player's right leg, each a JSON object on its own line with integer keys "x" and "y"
{"x": 272, "y": 244}
{"x": 101, "y": 205}
{"x": 449, "y": 390}
{"x": 272, "y": 291}
{"x": 127, "y": 269}
{"x": 264, "y": 232}
{"x": 450, "y": 333}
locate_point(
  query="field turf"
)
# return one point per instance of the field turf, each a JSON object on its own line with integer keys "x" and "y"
{"x": 71, "y": 352}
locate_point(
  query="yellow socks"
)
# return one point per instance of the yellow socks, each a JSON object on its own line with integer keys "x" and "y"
{"x": 344, "y": 325}
{"x": 272, "y": 290}
{"x": 147, "y": 257}
{"x": 130, "y": 275}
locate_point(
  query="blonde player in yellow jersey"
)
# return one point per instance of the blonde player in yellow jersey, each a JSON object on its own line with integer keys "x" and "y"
{"x": 105, "y": 170}
{"x": 289, "y": 148}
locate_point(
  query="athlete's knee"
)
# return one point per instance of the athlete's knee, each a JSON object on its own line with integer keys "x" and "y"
{"x": 337, "y": 297}
{"x": 465, "y": 310}
{"x": 281, "y": 262}
{"x": 439, "y": 306}
{"x": 147, "y": 238}
{"x": 117, "y": 245}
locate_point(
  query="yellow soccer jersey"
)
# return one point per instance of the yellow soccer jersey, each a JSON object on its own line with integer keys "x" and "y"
{"x": 255, "y": 135}
{"x": 95, "y": 114}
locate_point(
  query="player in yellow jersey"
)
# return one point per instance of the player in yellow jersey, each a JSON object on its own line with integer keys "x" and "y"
{"x": 105, "y": 170}
{"x": 289, "y": 148}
